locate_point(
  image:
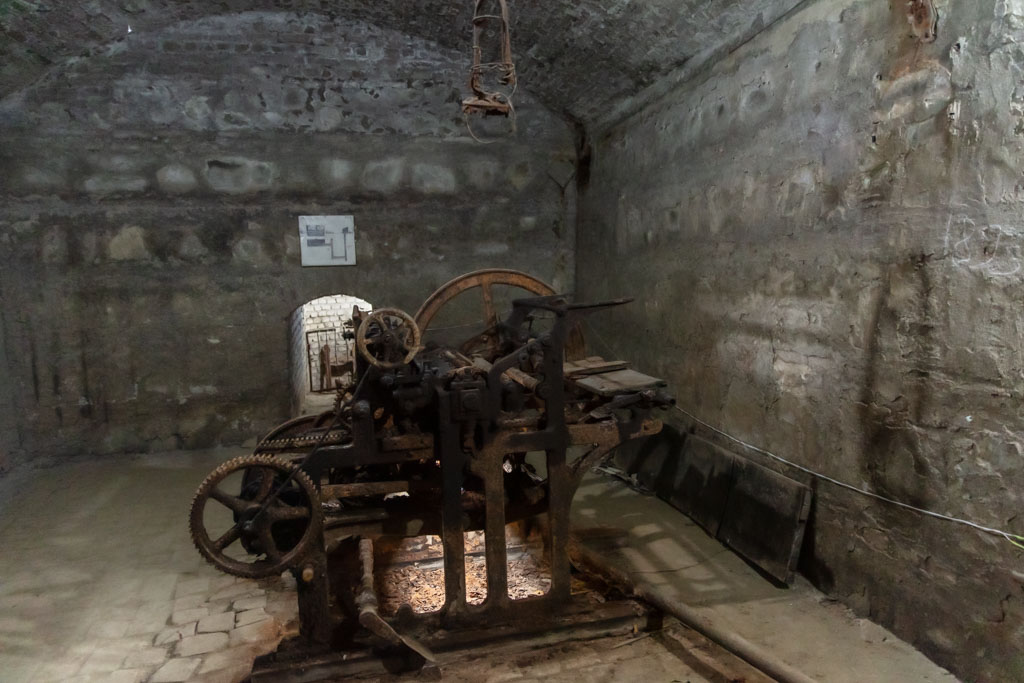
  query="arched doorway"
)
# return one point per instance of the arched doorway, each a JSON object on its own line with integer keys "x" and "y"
{"x": 321, "y": 345}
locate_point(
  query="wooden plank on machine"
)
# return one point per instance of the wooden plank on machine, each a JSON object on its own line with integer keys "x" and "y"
{"x": 619, "y": 382}
{"x": 594, "y": 365}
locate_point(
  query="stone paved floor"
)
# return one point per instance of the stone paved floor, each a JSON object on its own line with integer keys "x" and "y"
{"x": 100, "y": 582}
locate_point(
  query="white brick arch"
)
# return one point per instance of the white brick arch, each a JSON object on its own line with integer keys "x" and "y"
{"x": 322, "y": 320}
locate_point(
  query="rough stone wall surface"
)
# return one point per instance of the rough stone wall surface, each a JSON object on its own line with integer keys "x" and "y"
{"x": 149, "y": 252}
{"x": 579, "y": 56}
{"x": 824, "y": 235}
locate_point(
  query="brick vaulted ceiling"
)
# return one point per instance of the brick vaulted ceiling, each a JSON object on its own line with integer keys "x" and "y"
{"x": 578, "y": 57}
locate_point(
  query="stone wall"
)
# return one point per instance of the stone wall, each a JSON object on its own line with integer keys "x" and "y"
{"x": 824, "y": 236}
{"x": 149, "y": 253}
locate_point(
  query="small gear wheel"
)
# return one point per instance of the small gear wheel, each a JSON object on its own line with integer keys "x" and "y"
{"x": 388, "y": 338}
{"x": 266, "y": 527}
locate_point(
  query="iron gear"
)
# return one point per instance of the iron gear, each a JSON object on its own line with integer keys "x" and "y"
{"x": 276, "y": 514}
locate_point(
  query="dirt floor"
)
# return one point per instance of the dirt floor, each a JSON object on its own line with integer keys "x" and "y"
{"x": 100, "y": 582}
{"x": 413, "y": 574}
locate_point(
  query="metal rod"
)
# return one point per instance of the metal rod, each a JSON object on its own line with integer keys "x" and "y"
{"x": 376, "y": 488}
{"x": 369, "y": 616}
{"x": 589, "y": 561}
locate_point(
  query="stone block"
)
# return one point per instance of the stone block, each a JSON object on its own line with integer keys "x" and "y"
{"x": 114, "y": 184}
{"x": 237, "y": 590}
{"x": 102, "y": 661}
{"x": 433, "y": 179}
{"x": 227, "y": 659}
{"x": 250, "y": 617}
{"x": 188, "y": 615}
{"x": 54, "y": 247}
{"x": 482, "y": 173}
{"x": 114, "y": 163}
{"x": 254, "y": 633}
{"x": 520, "y": 175}
{"x": 63, "y": 670}
{"x": 176, "y": 179}
{"x": 159, "y": 586}
{"x": 218, "y": 606}
{"x": 327, "y": 119}
{"x": 198, "y": 112}
{"x": 189, "y": 602}
{"x": 128, "y": 244}
{"x": 384, "y": 175}
{"x": 239, "y": 175}
{"x": 127, "y": 676}
{"x": 233, "y": 120}
{"x": 176, "y": 670}
{"x": 201, "y": 644}
{"x": 249, "y": 250}
{"x": 337, "y": 174}
{"x": 108, "y": 629}
{"x": 174, "y": 634}
{"x": 224, "y": 621}
{"x": 150, "y": 657}
{"x": 232, "y": 674}
{"x": 255, "y": 602}
{"x": 191, "y": 248}
{"x": 491, "y": 248}
{"x": 192, "y": 587}
{"x": 42, "y": 179}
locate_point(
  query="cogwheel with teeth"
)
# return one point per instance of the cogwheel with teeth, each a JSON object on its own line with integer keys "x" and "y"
{"x": 264, "y": 526}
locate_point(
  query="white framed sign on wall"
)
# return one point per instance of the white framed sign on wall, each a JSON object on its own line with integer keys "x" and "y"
{"x": 327, "y": 240}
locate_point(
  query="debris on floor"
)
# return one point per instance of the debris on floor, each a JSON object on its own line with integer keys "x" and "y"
{"x": 415, "y": 574}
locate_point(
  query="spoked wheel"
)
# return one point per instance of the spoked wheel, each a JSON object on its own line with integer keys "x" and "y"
{"x": 486, "y": 341}
{"x": 388, "y": 338}
{"x": 250, "y": 519}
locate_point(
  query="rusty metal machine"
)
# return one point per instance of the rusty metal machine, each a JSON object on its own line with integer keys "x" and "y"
{"x": 429, "y": 438}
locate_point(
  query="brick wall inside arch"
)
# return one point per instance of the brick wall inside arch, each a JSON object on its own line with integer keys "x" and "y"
{"x": 322, "y": 314}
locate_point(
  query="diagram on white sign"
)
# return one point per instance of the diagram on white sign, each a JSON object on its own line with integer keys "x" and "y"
{"x": 328, "y": 240}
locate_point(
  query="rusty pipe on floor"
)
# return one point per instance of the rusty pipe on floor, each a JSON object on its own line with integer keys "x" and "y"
{"x": 590, "y": 562}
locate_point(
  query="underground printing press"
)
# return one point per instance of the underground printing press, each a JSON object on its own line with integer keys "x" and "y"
{"x": 430, "y": 439}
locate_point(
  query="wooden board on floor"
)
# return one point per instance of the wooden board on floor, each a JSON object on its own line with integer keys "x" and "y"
{"x": 758, "y": 513}
{"x": 765, "y": 518}
{"x": 704, "y": 480}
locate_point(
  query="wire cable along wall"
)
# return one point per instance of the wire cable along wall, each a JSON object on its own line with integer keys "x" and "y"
{"x": 1015, "y": 539}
